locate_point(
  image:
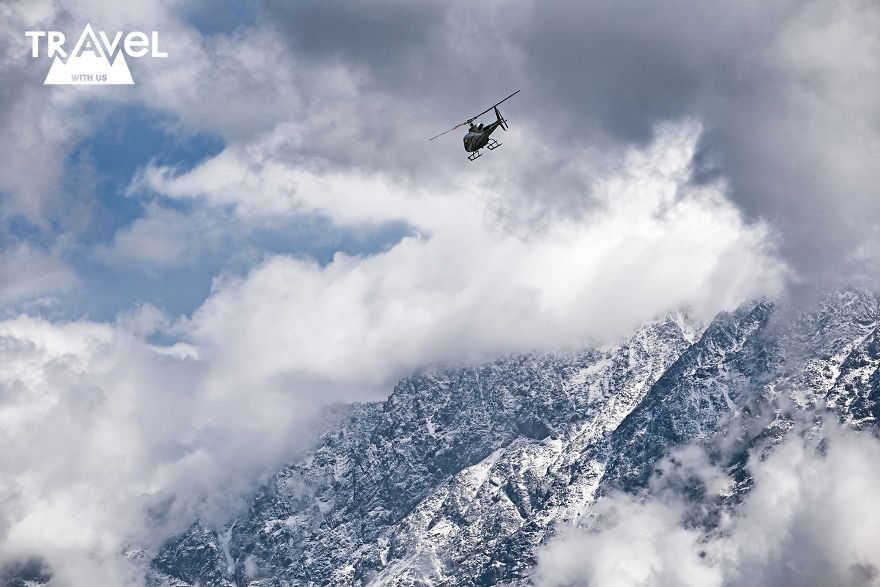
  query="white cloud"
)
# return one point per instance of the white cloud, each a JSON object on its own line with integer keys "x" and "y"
{"x": 143, "y": 320}
{"x": 161, "y": 238}
{"x": 812, "y": 518}
{"x": 110, "y": 445}
{"x": 30, "y": 275}
{"x": 469, "y": 290}
{"x": 643, "y": 545}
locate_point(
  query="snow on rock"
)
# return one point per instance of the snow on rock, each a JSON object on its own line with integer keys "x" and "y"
{"x": 461, "y": 474}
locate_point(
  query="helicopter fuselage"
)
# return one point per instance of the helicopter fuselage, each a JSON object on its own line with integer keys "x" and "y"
{"x": 475, "y": 140}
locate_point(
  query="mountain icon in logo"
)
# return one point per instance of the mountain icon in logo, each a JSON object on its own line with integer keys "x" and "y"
{"x": 88, "y": 63}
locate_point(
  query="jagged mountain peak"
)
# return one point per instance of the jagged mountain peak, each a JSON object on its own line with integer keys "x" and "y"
{"x": 461, "y": 474}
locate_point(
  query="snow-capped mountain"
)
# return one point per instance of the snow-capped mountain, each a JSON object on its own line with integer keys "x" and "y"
{"x": 460, "y": 476}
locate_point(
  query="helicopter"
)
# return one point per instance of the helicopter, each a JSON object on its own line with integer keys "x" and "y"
{"x": 479, "y": 135}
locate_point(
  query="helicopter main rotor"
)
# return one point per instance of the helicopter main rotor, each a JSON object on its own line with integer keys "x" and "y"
{"x": 473, "y": 118}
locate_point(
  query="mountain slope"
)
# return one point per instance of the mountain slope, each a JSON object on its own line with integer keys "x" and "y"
{"x": 461, "y": 474}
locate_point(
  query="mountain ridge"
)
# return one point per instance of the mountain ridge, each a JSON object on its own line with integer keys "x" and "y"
{"x": 461, "y": 474}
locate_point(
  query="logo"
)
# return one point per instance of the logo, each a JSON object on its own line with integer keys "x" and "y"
{"x": 95, "y": 59}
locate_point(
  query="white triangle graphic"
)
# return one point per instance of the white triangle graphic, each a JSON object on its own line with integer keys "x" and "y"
{"x": 89, "y": 69}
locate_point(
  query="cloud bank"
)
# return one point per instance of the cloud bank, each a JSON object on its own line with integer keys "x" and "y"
{"x": 811, "y": 518}
{"x": 111, "y": 444}
{"x": 466, "y": 290}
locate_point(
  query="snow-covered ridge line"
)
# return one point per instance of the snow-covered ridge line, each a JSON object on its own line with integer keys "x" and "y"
{"x": 461, "y": 474}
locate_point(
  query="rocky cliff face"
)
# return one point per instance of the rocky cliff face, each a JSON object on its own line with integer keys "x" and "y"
{"x": 461, "y": 474}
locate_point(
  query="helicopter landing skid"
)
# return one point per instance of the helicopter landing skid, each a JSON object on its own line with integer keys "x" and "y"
{"x": 474, "y": 155}
{"x": 493, "y": 144}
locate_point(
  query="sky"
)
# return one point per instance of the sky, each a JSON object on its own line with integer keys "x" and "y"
{"x": 193, "y": 267}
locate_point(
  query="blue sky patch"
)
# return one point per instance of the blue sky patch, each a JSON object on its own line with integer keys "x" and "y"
{"x": 109, "y": 289}
{"x": 222, "y": 17}
{"x": 129, "y": 138}
{"x": 99, "y": 170}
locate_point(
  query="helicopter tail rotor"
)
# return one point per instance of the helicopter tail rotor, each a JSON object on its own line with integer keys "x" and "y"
{"x": 501, "y": 122}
